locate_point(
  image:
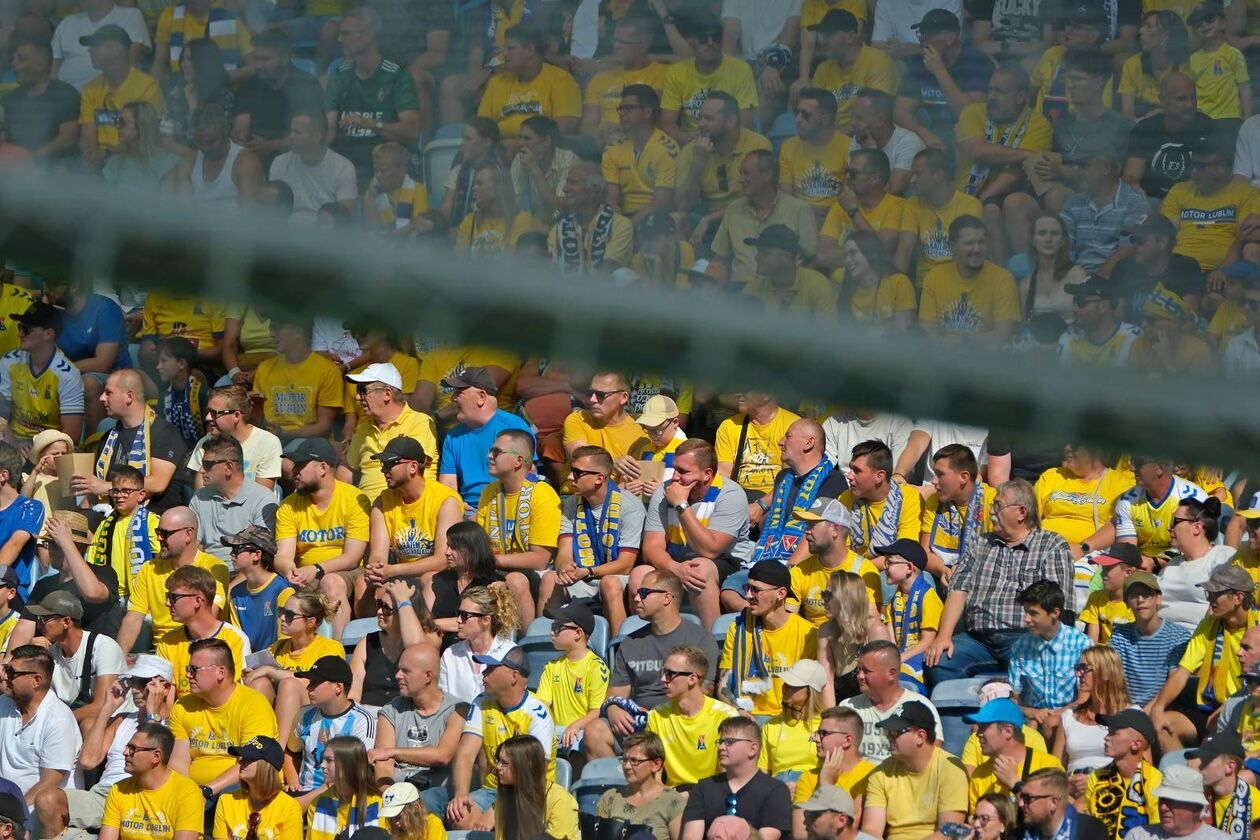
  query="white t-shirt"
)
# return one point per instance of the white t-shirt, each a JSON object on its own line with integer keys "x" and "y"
{"x": 459, "y": 676}
{"x": 943, "y": 434}
{"x": 262, "y": 455}
{"x": 107, "y": 658}
{"x": 51, "y": 741}
{"x": 875, "y": 747}
{"x": 329, "y": 181}
{"x": 847, "y": 431}
{"x": 900, "y": 148}
{"x": 1185, "y": 601}
{"x": 1247, "y": 150}
{"x": 76, "y": 65}
{"x": 760, "y": 22}
{"x": 894, "y": 19}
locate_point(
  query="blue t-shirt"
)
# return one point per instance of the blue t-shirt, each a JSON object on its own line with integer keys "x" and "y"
{"x": 100, "y": 321}
{"x": 23, "y": 515}
{"x": 256, "y": 611}
{"x": 970, "y": 72}
{"x": 464, "y": 453}
{"x": 1148, "y": 660}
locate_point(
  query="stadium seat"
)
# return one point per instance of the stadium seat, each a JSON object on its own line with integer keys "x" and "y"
{"x": 784, "y": 126}
{"x": 1173, "y": 759}
{"x": 720, "y": 626}
{"x": 356, "y": 630}
{"x": 439, "y": 158}
{"x": 599, "y": 639}
{"x": 953, "y": 699}
{"x": 450, "y": 131}
{"x": 306, "y": 65}
{"x": 632, "y": 623}
{"x": 692, "y": 617}
{"x": 598, "y": 775}
{"x": 538, "y": 648}
{"x": 564, "y": 773}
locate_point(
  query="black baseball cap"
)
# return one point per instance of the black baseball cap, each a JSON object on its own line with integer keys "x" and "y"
{"x": 777, "y": 236}
{"x": 41, "y": 316}
{"x": 1089, "y": 16}
{"x": 313, "y": 449}
{"x": 836, "y": 20}
{"x": 907, "y": 548}
{"x": 1134, "y": 719}
{"x": 911, "y": 715}
{"x": 937, "y": 20}
{"x": 1094, "y": 285}
{"x": 260, "y": 748}
{"x": 1221, "y": 743}
{"x": 328, "y": 669}
{"x": 12, "y": 809}
{"x": 1208, "y": 11}
{"x": 659, "y": 224}
{"x": 108, "y": 32}
{"x": 472, "y": 377}
{"x": 1119, "y": 554}
{"x": 771, "y": 572}
{"x": 401, "y": 449}
{"x": 575, "y": 613}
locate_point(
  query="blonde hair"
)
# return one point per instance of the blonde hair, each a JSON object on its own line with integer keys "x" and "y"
{"x": 1110, "y": 693}
{"x": 412, "y": 823}
{"x": 314, "y": 604}
{"x": 848, "y": 631}
{"x": 266, "y": 784}
{"x": 498, "y": 602}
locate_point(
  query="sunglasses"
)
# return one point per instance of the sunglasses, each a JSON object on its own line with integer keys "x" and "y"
{"x": 384, "y": 608}
{"x": 577, "y": 473}
{"x": 643, "y": 592}
{"x": 173, "y": 598}
{"x": 219, "y": 412}
{"x": 670, "y": 676}
{"x": 206, "y": 466}
{"x": 289, "y": 615}
{"x": 163, "y": 534}
{"x": 558, "y": 627}
{"x": 600, "y": 396}
{"x": 468, "y": 615}
{"x": 11, "y": 674}
{"x": 495, "y": 452}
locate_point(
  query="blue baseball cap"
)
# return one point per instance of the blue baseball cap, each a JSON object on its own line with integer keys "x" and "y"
{"x": 998, "y": 710}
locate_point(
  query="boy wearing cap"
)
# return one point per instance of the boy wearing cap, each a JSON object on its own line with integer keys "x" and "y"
{"x": 301, "y": 389}
{"x": 381, "y": 392}
{"x": 331, "y": 714}
{"x": 409, "y": 520}
{"x": 958, "y": 513}
{"x": 1150, "y": 647}
{"x": 919, "y": 787}
{"x": 1043, "y": 660}
{"x": 1123, "y": 794}
{"x": 763, "y": 641}
{"x": 660, "y": 420}
{"x": 914, "y": 613}
{"x": 257, "y": 600}
{"x": 40, "y": 387}
{"x": 85, "y": 664}
{"x": 1008, "y": 760}
{"x": 827, "y": 534}
{"x": 1212, "y": 653}
{"x": 575, "y": 685}
{"x": 280, "y": 816}
{"x": 1234, "y": 800}
{"x": 1105, "y": 608}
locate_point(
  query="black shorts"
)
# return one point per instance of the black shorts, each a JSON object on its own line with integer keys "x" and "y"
{"x": 1187, "y": 704}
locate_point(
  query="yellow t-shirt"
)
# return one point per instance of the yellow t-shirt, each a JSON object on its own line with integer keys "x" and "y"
{"x": 1207, "y": 224}
{"x": 280, "y": 819}
{"x": 560, "y": 816}
{"x": 931, "y": 226}
{"x": 413, "y": 528}
{"x": 690, "y": 743}
{"x": 1249, "y": 726}
{"x": 786, "y": 745}
{"x": 7, "y": 625}
{"x": 509, "y": 101}
{"x": 908, "y": 630}
{"x": 686, "y": 88}
{"x": 884, "y": 216}
{"x": 872, "y": 69}
{"x": 1143, "y": 86}
{"x": 637, "y": 176}
{"x": 255, "y": 336}
{"x": 1182, "y": 8}
{"x": 1219, "y": 676}
{"x": 810, "y": 294}
{"x": 814, "y": 173}
{"x": 501, "y": 518}
{"x": 572, "y": 689}
{"x": 139, "y": 814}
{"x": 370, "y": 439}
{"x": 868, "y": 514}
{"x": 1108, "y": 798}
{"x": 14, "y": 300}
{"x": 796, "y": 639}
{"x": 604, "y": 89}
{"x": 944, "y": 530}
{"x": 1106, "y": 613}
{"x": 812, "y": 11}
{"x": 440, "y": 363}
{"x": 963, "y": 307}
{"x": 878, "y": 304}
{"x": 409, "y": 369}
{"x": 173, "y": 647}
{"x": 294, "y": 392}
{"x": 319, "y": 647}
{"x": 985, "y": 780}
{"x": 913, "y": 801}
{"x": 1029, "y": 130}
{"x": 118, "y": 552}
{"x": 719, "y": 180}
{"x": 1074, "y": 508}
{"x": 166, "y": 315}
{"x": 401, "y": 206}
{"x": 973, "y": 757}
{"x": 1217, "y": 75}
{"x": 148, "y": 590}
{"x": 480, "y": 234}
{"x": 809, "y": 581}
{"x": 195, "y": 28}
{"x": 100, "y": 106}
{"x": 210, "y": 730}
{"x": 853, "y": 782}
{"x": 762, "y": 458}
{"x": 619, "y": 440}
{"x": 1228, "y": 321}
{"x": 322, "y": 535}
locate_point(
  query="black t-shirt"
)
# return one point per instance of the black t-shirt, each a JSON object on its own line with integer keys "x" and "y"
{"x": 1015, "y": 20}
{"x": 33, "y": 121}
{"x": 447, "y": 595}
{"x": 764, "y": 802}
{"x": 1182, "y": 276}
{"x": 1166, "y": 153}
{"x": 166, "y": 445}
{"x": 91, "y": 612}
{"x": 1027, "y": 462}
{"x": 270, "y": 110}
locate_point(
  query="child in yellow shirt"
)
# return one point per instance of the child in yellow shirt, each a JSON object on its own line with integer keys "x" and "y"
{"x": 575, "y": 685}
{"x": 914, "y": 611}
{"x": 1219, "y": 70}
{"x": 1106, "y": 607}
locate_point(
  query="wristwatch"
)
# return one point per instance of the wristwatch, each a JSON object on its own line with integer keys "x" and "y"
{"x": 207, "y": 792}
{"x": 680, "y": 507}
{"x": 319, "y": 572}
{"x": 1085, "y": 549}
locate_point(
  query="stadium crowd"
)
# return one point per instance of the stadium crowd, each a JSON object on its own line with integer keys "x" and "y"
{"x": 265, "y": 576}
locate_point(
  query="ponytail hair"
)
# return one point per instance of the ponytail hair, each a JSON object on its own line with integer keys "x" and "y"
{"x": 498, "y": 603}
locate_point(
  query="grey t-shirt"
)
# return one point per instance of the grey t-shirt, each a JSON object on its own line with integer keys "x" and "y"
{"x": 413, "y": 730}
{"x": 641, "y": 657}
{"x": 1079, "y": 140}
{"x": 729, "y": 516}
{"x": 630, "y": 531}
{"x": 252, "y": 505}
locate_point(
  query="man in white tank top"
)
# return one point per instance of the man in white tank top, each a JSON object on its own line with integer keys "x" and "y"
{"x": 223, "y": 176}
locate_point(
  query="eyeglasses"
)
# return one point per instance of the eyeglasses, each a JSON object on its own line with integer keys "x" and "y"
{"x": 164, "y": 534}
{"x": 626, "y": 761}
{"x": 364, "y": 390}
{"x": 600, "y": 396}
{"x": 982, "y": 819}
{"x": 495, "y": 452}
{"x": 192, "y": 670}
{"x": 998, "y": 507}
{"x": 820, "y": 734}
{"x": 657, "y": 430}
{"x": 643, "y": 592}
{"x": 11, "y": 674}
{"x": 558, "y": 627}
{"x": 730, "y": 742}
{"x": 731, "y": 803}
{"x": 132, "y": 749}
{"x": 1029, "y": 798}
{"x": 384, "y": 608}
{"x": 219, "y": 412}
{"x": 894, "y": 734}
{"x": 468, "y": 615}
{"x": 123, "y": 491}
{"x": 579, "y": 473}
{"x": 1177, "y": 520}
{"x": 206, "y": 466}
{"x": 241, "y": 549}
{"x": 289, "y": 615}
{"x": 753, "y": 591}
{"x": 1082, "y": 669}
{"x": 172, "y": 598}
{"x": 670, "y": 676}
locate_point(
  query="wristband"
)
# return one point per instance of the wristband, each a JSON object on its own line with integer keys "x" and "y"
{"x": 764, "y": 505}
{"x": 402, "y": 604}
{"x": 231, "y": 373}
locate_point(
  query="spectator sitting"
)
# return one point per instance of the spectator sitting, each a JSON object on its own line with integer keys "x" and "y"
{"x": 347, "y": 801}
{"x": 400, "y": 204}
{"x": 181, "y": 388}
{"x": 1194, "y": 530}
{"x": 874, "y": 130}
{"x": 1045, "y": 805}
{"x": 21, "y": 521}
{"x": 692, "y": 82}
{"x": 156, "y": 798}
{"x": 780, "y": 284}
{"x": 301, "y": 389}
{"x": 67, "y": 541}
{"x": 882, "y": 698}
{"x": 39, "y": 737}
{"x": 640, "y": 168}
{"x": 1181, "y": 806}
{"x": 946, "y": 63}
{"x": 1043, "y": 661}
{"x": 1211, "y": 185}
{"x": 227, "y": 503}
{"x": 118, "y": 85}
{"x": 527, "y": 796}
{"x": 605, "y": 421}
{"x": 955, "y": 517}
{"x": 85, "y": 664}
{"x": 480, "y": 144}
{"x": 865, "y": 208}
{"x": 379, "y": 397}
{"x": 330, "y": 711}
{"x": 495, "y": 223}
{"x": 540, "y": 169}
{"x": 41, "y": 114}
{"x": 1008, "y": 760}
{"x": 1098, "y": 216}
{"x": 1221, "y": 763}
{"x": 968, "y": 295}
{"x": 1121, "y": 793}
{"x": 227, "y": 415}
{"x": 578, "y": 667}
{"x": 487, "y": 619}
{"x": 926, "y": 219}
{"x": 645, "y": 799}
{"x": 802, "y": 172}
{"x": 51, "y": 399}
{"x": 525, "y": 79}
{"x": 914, "y": 612}
{"x": 316, "y": 174}
{"x": 276, "y": 90}
{"x": 138, "y": 163}
{"x": 787, "y": 750}
{"x": 882, "y": 510}
{"x": 93, "y": 336}
{"x": 740, "y": 787}
{"x": 259, "y": 761}
{"x": 190, "y": 593}
{"x": 127, "y": 538}
{"x": 591, "y": 236}
{"x": 259, "y": 597}
{"x": 837, "y": 743}
{"x": 408, "y": 816}
{"x": 1106, "y": 608}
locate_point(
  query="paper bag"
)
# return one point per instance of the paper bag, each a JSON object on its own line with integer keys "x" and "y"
{"x": 651, "y": 471}
{"x": 81, "y": 463}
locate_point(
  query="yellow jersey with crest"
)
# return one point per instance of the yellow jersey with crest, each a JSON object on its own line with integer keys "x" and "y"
{"x": 1217, "y": 74}
{"x": 573, "y": 689}
{"x": 872, "y": 69}
{"x": 14, "y": 300}
{"x": 1148, "y": 520}
{"x": 883, "y": 216}
{"x": 930, "y": 225}
{"x": 196, "y": 319}
{"x": 815, "y": 173}
{"x": 40, "y": 400}
{"x": 878, "y": 304}
{"x": 493, "y": 725}
{"x": 413, "y": 526}
{"x": 965, "y": 306}
{"x": 639, "y": 175}
{"x": 690, "y": 742}
{"x": 686, "y": 88}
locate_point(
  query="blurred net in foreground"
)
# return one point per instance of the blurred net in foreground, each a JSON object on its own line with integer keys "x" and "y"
{"x": 81, "y": 228}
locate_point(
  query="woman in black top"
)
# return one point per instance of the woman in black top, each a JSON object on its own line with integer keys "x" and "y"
{"x": 470, "y": 562}
{"x": 403, "y": 622}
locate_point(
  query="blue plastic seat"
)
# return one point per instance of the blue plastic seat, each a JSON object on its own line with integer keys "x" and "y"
{"x": 599, "y": 775}
{"x": 953, "y": 699}
{"x": 306, "y": 65}
{"x": 724, "y": 621}
{"x": 1173, "y": 759}
{"x": 564, "y": 773}
{"x": 356, "y": 630}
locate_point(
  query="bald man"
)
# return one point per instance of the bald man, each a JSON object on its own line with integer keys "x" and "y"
{"x": 152, "y": 446}
{"x": 179, "y": 547}
{"x": 415, "y": 740}
{"x": 1159, "y": 146}
{"x": 807, "y": 475}
{"x": 591, "y": 236}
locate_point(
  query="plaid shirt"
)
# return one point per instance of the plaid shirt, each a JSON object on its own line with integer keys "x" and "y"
{"x": 992, "y": 573}
{"x": 1041, "y": 670}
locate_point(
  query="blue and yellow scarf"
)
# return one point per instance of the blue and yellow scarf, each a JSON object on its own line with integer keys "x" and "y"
{"x": 597, "y": 542}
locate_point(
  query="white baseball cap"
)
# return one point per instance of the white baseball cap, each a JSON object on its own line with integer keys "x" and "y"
{"x": 382, "y": 372}
{"x": 149, "y": 666}
{"x": 397, "y": 797}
